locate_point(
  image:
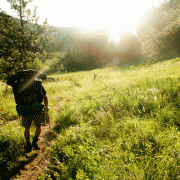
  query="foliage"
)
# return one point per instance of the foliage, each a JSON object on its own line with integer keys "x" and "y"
{"x": 76, "y": 60}
{"x": 22, "y": 40}
{"x": 129, "y": 47}
{"x": 160, "y": 31}
{"x": 96, "y": 46}
{"x": 55, "y": 64}
{"x": 8, "y": 49}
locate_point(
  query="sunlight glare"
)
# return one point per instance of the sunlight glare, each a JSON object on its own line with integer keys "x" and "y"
{"x": 115, "y": 37}
{"x": 114, "y": 16}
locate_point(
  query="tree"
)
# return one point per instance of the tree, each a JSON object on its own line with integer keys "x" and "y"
{"x": 9, "y": 54}
{"x": 96, "y": 46}
{"x": 129, "y": 47}
{"x": 19, "y": 6}
{"x": 159, "y": 32}
{"x": 169, "y": 37}
{"x": 32, "y": 36}
{"x": 22, "y": 39}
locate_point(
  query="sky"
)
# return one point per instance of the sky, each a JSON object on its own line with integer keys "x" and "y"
{"x": 114, "y": 16}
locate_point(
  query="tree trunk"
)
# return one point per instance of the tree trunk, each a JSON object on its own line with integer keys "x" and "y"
{"x": 23, "y": 50}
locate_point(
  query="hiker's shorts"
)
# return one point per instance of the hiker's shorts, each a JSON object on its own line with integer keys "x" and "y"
{"x": 38, "y": 119}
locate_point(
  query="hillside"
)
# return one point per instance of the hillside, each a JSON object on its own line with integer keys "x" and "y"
{"x": 113, "y": 123}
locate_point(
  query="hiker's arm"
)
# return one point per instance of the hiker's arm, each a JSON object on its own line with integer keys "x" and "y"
{"x": 46, "y": 106}
{"x": 46, "y": 102}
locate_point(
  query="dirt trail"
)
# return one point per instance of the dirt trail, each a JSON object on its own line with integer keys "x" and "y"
{"x": 38, "y": 160}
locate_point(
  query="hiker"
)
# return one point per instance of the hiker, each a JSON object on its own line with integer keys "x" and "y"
{"x": 29, "y": 94}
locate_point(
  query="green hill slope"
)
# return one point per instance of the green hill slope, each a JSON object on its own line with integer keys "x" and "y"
{"x": 118, "y": 124}
{"x": 114, "y": 123}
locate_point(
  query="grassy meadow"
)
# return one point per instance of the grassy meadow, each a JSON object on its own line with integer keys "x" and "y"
{"x": 113, "y": 123}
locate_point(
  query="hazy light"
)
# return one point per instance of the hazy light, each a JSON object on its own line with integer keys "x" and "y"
{"x": 112, "y": 15}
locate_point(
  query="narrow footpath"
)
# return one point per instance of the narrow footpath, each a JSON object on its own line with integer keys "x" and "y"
{"x": 38, "y": 159}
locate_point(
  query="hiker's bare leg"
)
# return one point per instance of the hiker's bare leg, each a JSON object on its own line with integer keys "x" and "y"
{"x": 36, "y": 138}
{"x": 38, "y": 131}
{"x": 27, "y": 138}
{"x": 27, "y": 134}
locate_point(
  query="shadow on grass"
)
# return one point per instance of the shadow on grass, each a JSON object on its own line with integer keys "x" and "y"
{"x": 8, "y": 174}
{"x": 64, "y": 123}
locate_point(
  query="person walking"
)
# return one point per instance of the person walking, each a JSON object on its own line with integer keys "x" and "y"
{"x": 29, "y": 94}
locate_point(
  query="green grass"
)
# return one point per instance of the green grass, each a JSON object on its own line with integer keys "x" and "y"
{"x": 122, "y": 125}
{"x": 11, "y": 151}
{"x": 7, "y": 110}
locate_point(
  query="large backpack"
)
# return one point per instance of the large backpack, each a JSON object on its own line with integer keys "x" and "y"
{"x": 28, "y": 94}
{"x": 31, "y": 94}
{"x": 29, "y": 100}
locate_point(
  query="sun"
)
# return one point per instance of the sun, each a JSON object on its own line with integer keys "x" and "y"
{"x": 116, "y": 32}
{"x": 115, "y": 37}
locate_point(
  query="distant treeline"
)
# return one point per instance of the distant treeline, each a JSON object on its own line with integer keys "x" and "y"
{"x": 159, "y": 31}
{"x": 25, "y": 44}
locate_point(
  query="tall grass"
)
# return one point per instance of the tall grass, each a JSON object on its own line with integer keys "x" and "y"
{"x": 11, "y": 150}
{"x": 123, "y": 124}
{"x": 7, "y": 110}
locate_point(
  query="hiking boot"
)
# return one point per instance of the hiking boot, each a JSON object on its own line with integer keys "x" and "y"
{"x": 34, "y": 143}
{"x": 28, "y": 147}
